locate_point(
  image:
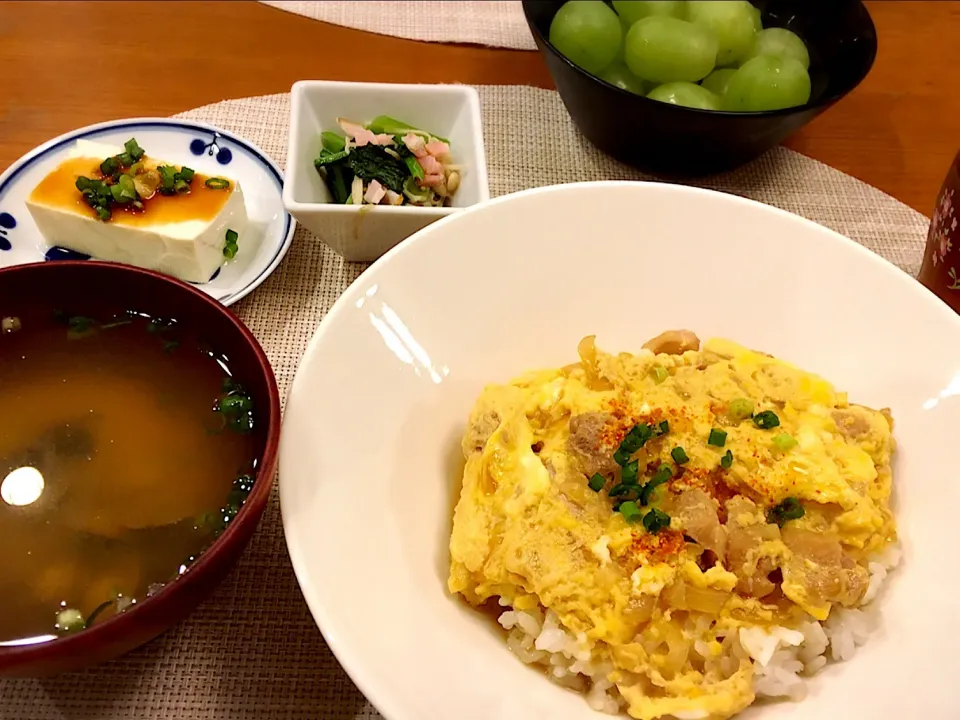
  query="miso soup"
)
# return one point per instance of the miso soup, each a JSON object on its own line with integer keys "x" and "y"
{"x": 125, "y": 448}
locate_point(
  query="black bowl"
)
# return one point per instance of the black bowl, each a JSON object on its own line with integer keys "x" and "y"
{"x": 684, "y": 142}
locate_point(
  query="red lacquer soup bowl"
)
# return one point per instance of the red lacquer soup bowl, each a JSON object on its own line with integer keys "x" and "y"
{"x": 88, "y": 288}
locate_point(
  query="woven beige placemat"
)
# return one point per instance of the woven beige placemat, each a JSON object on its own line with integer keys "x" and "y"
{"x": 252, "y": 652}
{"x": 496, "y": 23}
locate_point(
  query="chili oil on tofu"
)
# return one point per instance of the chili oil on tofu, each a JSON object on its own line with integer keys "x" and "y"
{"x": 678, "y": 532}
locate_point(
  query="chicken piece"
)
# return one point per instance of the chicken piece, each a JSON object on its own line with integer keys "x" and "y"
{"x": 697, "y": 513}
{"x": 746, "y": 559}
{"x": 856, "y": 580}
{"x": 479, "y": 430}
{"x": 818, "y": 573}
{"x": 742, "y": 511}
{"x": 853, "y": 422}
{"x": 586, "y": 442}
{"x": 745, "y": 555}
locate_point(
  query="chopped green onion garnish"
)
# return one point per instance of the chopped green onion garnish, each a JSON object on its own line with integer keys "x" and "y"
{"x": 168, "y": 176}
{"x": 186, "y": 174}
{"x": 630, "y": 472}
{"x": 109, "y": 166}
{"x": 236, "y": 403}
{"x": 655, "y": 520}
{"x": 630, "y": 511}
{"x": 230, "y": 247}
{"x": 122, "y": 194}
{"x": 636, "y": 438}
{"x": 633, "y": 441}
{"x": 181, "y": 186}
{"x": 81, "y": 327}
{"x": 100, "y": 196}
{"x": 766, "y": 420}
{"x": 679, "y": 455}
{"x": 621, "y": 489}
{"x": 789, "y": 509}
{"x": 718, "y": 438}
{"x": 217, "y": 183}
{"x": 662, "y": 475}
{"x": 659, "y": 373}
{"x": 785, "y": 442}
{"x": 112, "y": 166}
{"x": 664, "y": 427}
{"x": 597, "y": 482}
{"x": 740, "y": 409}
{"x": 70, "y": 620}
{"x": 726, "y": 462}
{"x": 133, "y": 149}
{"x": 238, "y": 413}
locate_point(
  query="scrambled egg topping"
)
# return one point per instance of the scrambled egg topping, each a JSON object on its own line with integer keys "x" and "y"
{"x": 777, "y": 496}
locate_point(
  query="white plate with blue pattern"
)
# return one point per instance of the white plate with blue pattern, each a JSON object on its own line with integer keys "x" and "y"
{"x": 202, "y": 147}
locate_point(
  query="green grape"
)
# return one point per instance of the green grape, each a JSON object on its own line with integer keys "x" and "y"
{"x": 716, "y": 82}
{"x": 624, "y": 29}
{"x": 757, "y": 19}
{"x": 733, "y": 22}
{"x": 618, "y": 74}
{"x": 665, "y": 49}
{"x": 767, "y": 83}
{"x": 588, "y": 33}
{"x": 686, "y": 94}
{"x": 633, "y": 10}
{"x": 780, "y": 43}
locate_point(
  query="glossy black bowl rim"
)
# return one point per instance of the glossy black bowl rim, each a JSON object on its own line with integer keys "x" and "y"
{"x": 249, "y": 513}
{"x": 821, "y": 102}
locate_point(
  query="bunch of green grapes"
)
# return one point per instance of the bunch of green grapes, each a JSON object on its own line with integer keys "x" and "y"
{"x": 706, "y": 54}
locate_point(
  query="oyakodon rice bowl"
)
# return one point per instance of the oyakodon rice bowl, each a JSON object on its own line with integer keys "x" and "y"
{"x": 679, "y": 532}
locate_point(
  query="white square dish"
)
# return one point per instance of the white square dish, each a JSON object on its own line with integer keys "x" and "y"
{"x": 364, "y": 232}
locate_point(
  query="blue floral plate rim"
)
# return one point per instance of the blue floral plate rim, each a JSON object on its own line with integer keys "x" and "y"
{"x": 183, "y": 126}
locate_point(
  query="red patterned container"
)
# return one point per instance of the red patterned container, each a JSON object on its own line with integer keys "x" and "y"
{"x": 941, "y": 260}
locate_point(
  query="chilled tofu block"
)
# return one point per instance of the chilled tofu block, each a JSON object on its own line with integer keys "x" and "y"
{"x": 181, "y": 234}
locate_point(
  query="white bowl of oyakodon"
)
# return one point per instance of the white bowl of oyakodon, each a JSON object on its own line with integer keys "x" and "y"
{"x": 197, "y": 203}
{"x": 540, "y": 517}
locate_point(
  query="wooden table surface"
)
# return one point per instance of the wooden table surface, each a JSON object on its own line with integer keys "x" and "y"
{"x": 66, "y": 64}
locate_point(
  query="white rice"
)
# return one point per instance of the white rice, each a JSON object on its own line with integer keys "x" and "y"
{"x": 791, "y": 656}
